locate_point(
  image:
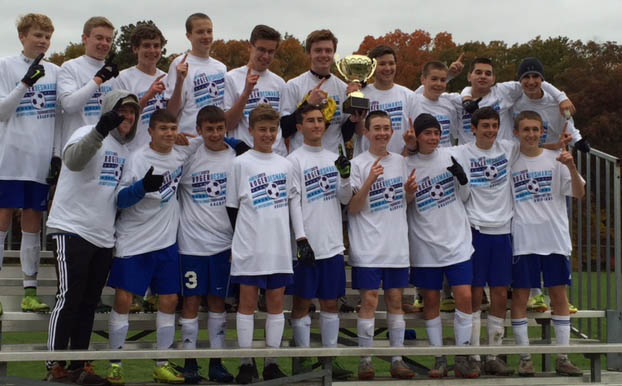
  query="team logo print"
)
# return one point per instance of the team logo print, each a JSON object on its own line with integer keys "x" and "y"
{"x": 159, "y": 103}
{"x": 389, "y": 193}
{"x": 533, "y": 186}
{"x": 118, "y": 171}
{"x": 491, "y": 172}
{"x": 272, "y": 190}
{"x": 100, "y": 99}
{"x": 212, "y": 89}
{"x": 264, "y": 101}
{"x": 437, "y": 192}
{"x": 38, "y": 100}
{"x": 212, "y": 188}
{"x": 324, "y": 183}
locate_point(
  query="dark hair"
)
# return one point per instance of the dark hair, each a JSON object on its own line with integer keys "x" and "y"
{"x": 211, "y": 114}
{"x": 161, "y": 116}
{"x": 482, "y": 61}
{"x": 263, "y": 112}
{"x": 484, "y": 113}
{"x": 319, "y": 35}
{"x": 146, "y": 31}
{"x": 527, "y": 114}
{"x": 375, "y": 114}
{"x": 433, "y": 65}
{"x": 264, "y": 32}
{"x": 193, "y": 17}
{"x": 382, "y": 50}
{"x": 304, "y": 109}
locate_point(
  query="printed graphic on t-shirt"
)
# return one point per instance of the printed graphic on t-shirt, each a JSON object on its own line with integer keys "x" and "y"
{"x": 435, "y": 192}
{"x": 386, "y": 194}
{"x": 534, "y": 185}
{"x": 94, "y": 105}
{"x": 153, "y": 104}
{"x": 209, "y": 90}
{"x": 209, "y": 188}
{"x": 321, "y": 183}
{"x": 466, "y": 117}
{"x": 337, "y": 114}
{"x": 488, "y": 172}
{"x": 394, "y": 109}
{"x": 268, "y": 190}
{"x": 262, "y": 97}
{"x": 112, "y": 169}
{"x": 169, "y": 186}
{"x": 445, "y": 123}
{"x": 39, "y": 101}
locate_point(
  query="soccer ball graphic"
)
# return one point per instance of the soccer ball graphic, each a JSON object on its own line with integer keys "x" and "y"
{"x": 212, "y": 89}
{"x": 118, "y": 171}
{"x": 490, "y": 172}
{"x": 324, "y": 183}
{"x": 38, "y": 101}
{"x": 264, "y": 101}
{"x": 100, "y": 99}
{"x": 272, "y": 190}
{"x": 533, "y": 187}
{"x": 389, "y": 193}
{"x": 159, "y": 103}
{"x": 437, "y": 192}
{"x": 212, "y": 188}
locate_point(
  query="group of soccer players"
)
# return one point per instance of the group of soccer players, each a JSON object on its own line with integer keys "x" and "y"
{"x": 190, "y": 181}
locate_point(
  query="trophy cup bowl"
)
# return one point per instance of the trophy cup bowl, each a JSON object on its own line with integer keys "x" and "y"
{"x": 358, "y": 69}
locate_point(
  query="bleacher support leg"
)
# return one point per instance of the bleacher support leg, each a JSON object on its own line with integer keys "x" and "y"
{"x": 327, "y": 365}
{"x": 3, "y": 365}
{"x": 547, "y": 363}
{"x": 614, "y": 335}
{"x": 595, "y": 373}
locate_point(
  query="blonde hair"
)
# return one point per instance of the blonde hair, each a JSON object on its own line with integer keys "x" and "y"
{"x": 94, "y": 22}
{"x": 26, "y": 22}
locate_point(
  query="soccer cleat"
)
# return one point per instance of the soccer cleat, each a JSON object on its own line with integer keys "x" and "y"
{"x": 86, "y": 376}
{"x": 339, "y": 372}
{"x": 58, "y": 374}
{"x": 366, "y": 371}
{"x": 537, "y": 304}
{"x": 272, "y": 371}
{"x": 465, "y": 368}
{"x": 400, "y": 370}
{"x": 191, "y": 375}
{"x": 247, "y": 374}
{"x": 448, "y": 304}
{"x": 497, "y": 367}
{"x": 525, "y": 368}
{"x": 218, "y": 373}
{"x": 572, "y": 309}
{"x": 563, "y": 366}
{"x": 440, "y": 368}
{"x": 418, "y": 304}
{"x": 32, "y": 303}
{"x": 167, "y": 374}
{"x": 115, "y": 374}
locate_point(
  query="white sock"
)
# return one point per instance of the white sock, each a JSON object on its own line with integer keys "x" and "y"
{"x": 2, "y": 238}
{"x": 302, "y": 331}
{"x": 244, "y": 326}
{"x": 476, "y": 332}
{"x": 275, "y": 323}
{"x": 165, "y": 333}
{"x": 329, "y": 328}
{"x": 463, "y": 327}
{"x": 217, "y": 329}
{"x": 397, "y": 326}
{"x": 118, "y": 325}
{"x": 365, "y": 332}
{"x": 535, "y": 292}
{"x": 519, "y": 329}
{"x": 189, "y": 332}
{"x": 434, "y": 329}
{"x": 495, "y": 333}
{"x": 29, "y": 253}
{"x": 561, "y": 325}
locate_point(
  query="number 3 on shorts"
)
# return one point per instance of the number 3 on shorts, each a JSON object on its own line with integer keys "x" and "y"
{"x": 191, "y": 281}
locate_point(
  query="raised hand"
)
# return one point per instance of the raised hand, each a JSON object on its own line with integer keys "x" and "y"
{"x": 375, "y": 171}
{"x": 458, "y": 171}
{"x": 152, "y": 182}
{"x": 317, "y": 95}
{"x": 251, "y": 81}
{"x": 567, "y": 105}
{"x": 352, "y": 87}
{"x": 182, "y": 69}
{"x": 109, "y": 70}
{"x": 566, "y": 158}
{"x": 470, "y": 105}
{"x": 108, "y": 122}
{"x": 456, "y": 67}
{"x": 342, "y": 164}
{"x": 34, "y": 73}
{"x": 305, "y": 253}
{"x": 411, "y": 183}
{"x": 156, "y": 87}
{"x": 410, "y": 137}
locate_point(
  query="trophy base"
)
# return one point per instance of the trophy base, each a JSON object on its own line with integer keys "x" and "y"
{"x": 353, "y": 104}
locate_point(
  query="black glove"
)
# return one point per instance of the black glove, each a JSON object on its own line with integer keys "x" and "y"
{"x": 471, "y": 105}
{"x": 108, "y": 122}
{"x": 55, "y": 164}
{"x": 342, "y": 164}
{"x": 108, "y": 71}
{"x": 457, "y": 170}
{"x": 35, "y": 72}
{"x": 305, "y": 253}
{"x": 152, "y": 182}
{"x": 241, "y": 148}
{"x": 583, "y": 146}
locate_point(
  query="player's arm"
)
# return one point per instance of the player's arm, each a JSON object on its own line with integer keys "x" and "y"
{"x": 11, "y": 99}
{"x": 359, "y": 200}
{"x": 132, "y": 194}
{"x": 71, "y": 96}
{"x": 177, "y": 76}
{"x": 235, "y": 112}
{"x": 157, "y": 87}
{"x": 344, "y": 192}
{"x": 577, "y": 182}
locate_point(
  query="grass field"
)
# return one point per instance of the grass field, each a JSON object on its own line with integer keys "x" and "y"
{"x": 141, "y": 370}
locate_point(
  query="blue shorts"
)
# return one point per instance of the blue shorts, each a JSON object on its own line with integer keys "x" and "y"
{"x": 325, "y": 280}
{"x": 269, "y": 282}
{"x": 492, "y": 260}
{"x": 431, "y": 278}
{"x": 158, "y": 270}
{"x": 369, "y": 278}
{"x": 554, "y": 268}
{"x": 205, "y": 275}
{"x": 24, "y": 195}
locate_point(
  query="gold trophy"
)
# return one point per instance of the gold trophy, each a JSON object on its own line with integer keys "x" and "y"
{"x": 358, "y": 69}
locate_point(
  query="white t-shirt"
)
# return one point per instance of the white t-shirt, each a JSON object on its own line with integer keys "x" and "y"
{"x": 315, "y": 176}
{"x": 204, "y": 227}
{"x": 552, "y": 120}
{"x": 27, "y": 120}
{"x": 151, "y": 224}
{"x": 78, "y": 94}
{"x": 204, "y": 86}
{"x": 85, "y": 202}
{"x": 398, "y": 103}
{"x": 138, "y": 83}
{"x": 260, "y": 186}
{"x": 379, "y": 232}
{"x": 489, "y": 206}
{"x": 295, "y": 92}
{"x": 444, "y": 110}
{"x": 540, "y": 223}
{"x": 439, "y": 233}
{"x": 268, "y": 90}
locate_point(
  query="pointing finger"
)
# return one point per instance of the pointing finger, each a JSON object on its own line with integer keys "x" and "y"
{"x": 340, "y": 150}
{"x": 460, "y": 58}
{"x": 183, "y": 60}
{"x": 160, "y": 77}
{"x": 38, "y": 59}
{"x": 320, "y": 84}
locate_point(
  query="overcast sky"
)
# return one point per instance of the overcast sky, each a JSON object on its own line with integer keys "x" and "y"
{"x": 467, "y": 20}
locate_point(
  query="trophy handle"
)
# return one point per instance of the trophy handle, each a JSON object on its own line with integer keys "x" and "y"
{"x": 338, "y": 65}
{"x": 373, "y": 70}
